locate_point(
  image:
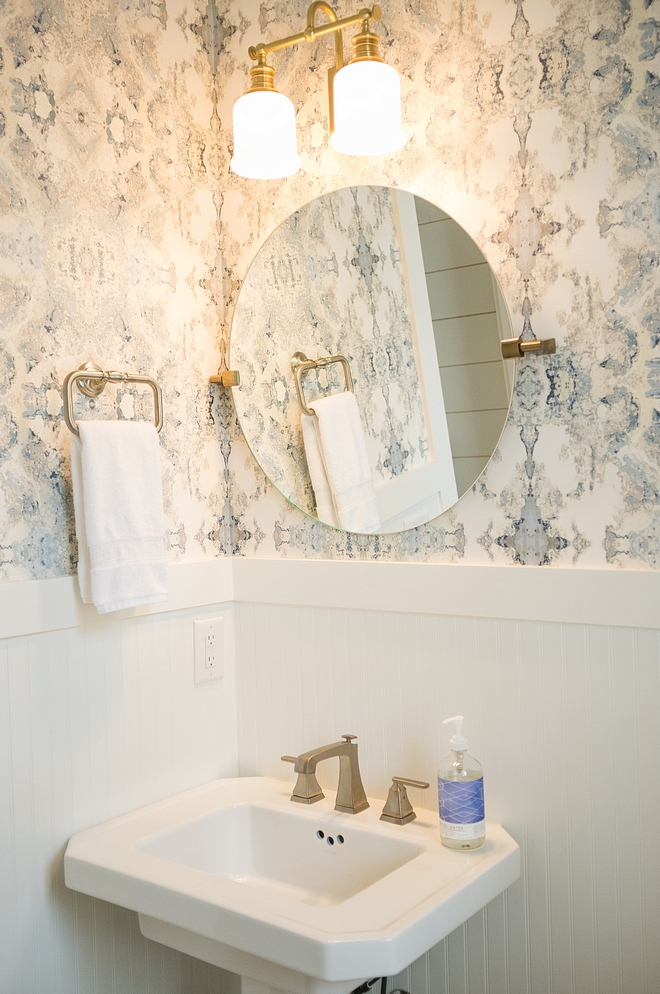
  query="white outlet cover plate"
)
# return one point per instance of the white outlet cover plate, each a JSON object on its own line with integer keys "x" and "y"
{"x": 220, "y": 625}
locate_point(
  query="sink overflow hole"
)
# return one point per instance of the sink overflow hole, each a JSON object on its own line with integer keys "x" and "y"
{"x": 330, "y": 841}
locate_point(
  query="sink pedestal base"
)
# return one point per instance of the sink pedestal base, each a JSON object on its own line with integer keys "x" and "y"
{"x": 259, "y": 976}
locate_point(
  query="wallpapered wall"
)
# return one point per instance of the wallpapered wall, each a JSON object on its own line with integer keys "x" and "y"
{"x": 108, "y": 248}
{"x": 124, "y": 239}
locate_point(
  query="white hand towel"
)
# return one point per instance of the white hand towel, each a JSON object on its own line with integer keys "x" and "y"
{"x": 118, "y": 505}
{"x": 346, "y": 462}
{"x": 325, "y": 509}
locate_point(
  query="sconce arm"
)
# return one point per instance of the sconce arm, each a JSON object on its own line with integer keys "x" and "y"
{"x": 313, "y": 32}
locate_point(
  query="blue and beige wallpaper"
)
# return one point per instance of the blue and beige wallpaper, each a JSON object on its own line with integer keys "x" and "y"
{"x": 125, "y": 240}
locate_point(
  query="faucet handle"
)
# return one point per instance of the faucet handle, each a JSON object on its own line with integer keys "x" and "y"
{"x": 289, "y": 759}
{"x": 348, "y": 738}
{"x": 398, "y": 810}
{"x": 409, "y": 783}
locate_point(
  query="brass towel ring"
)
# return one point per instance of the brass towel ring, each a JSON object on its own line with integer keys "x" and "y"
{"x": 91, "y": 380}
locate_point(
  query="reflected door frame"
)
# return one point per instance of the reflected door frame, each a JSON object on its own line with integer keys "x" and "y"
{"x": 424, "y": 491}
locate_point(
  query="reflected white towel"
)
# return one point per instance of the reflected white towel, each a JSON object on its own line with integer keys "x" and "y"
{"x": 118, "y": 505}
{"x": 344, "y": 453}
{"x": 325, "y": 509}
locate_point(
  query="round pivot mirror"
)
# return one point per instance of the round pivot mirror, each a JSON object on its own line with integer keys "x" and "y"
{"x": 398, "y": 319}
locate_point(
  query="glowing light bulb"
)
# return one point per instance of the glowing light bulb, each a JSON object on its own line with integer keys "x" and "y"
{"x": 264, "y": 136}
{"x": 367, "y": 109}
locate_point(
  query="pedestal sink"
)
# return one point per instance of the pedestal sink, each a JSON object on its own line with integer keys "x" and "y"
{"x": 298, "y": 898}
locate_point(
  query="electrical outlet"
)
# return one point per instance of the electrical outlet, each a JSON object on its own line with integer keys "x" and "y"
{"x": 209, "y": 650}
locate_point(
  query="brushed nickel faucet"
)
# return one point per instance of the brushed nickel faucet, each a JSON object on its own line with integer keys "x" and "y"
{"x": 350, "y": 792}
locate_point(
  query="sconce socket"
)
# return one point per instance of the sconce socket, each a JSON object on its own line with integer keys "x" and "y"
{"x": 262, "y": 77}
{"x": 365, "y": 46}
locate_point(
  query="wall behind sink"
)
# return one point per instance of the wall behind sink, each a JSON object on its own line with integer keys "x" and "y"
{"x": 564, "y": 719}
{"x": 94, "y": 722}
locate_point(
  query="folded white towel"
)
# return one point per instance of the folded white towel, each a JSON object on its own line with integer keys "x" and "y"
{"x": 344, "y": 452}
{"x": 118, "y": 505}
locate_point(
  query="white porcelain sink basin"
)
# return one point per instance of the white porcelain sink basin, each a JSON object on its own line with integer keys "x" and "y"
{"x": 301, "y": 898}
{"x": 283, "y": 854}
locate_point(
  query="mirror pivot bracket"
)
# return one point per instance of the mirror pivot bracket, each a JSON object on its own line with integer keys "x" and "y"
{"x": 227, "y": 378}
{"x": 514, "y": 348}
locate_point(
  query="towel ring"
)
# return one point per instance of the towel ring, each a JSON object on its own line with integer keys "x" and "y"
{"x": 301, "y": 364}
{"x": 91, "y": 380}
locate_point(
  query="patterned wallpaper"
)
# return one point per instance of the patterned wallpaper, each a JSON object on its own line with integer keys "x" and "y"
{"x": 125, "y": 240}
{"x": 329, "y": 280}
{"x": 108, "y": 252}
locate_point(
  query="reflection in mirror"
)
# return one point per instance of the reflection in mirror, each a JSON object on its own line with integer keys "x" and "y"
{"x": 398, "y": 288}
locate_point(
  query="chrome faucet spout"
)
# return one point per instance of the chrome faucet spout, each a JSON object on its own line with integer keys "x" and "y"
{"x": 351, "y": 796}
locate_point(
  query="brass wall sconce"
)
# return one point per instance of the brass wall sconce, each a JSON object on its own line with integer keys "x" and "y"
{"x": 364, "y": 98}
{"x": 514, "y": 348}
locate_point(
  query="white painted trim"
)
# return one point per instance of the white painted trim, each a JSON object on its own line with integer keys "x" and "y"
{"x": 48, "y": 605}
{"x": 620, "y": 598}
{"x": 626, "y": 598}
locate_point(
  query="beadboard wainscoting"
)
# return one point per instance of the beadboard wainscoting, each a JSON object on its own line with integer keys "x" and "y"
{"x": 95, "y": 721}
{"x": 564, "y": 719}
{"x": 556, "y": 670}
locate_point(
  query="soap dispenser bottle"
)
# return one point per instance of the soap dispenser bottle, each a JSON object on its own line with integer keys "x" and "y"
{"x": 461, "y": 794}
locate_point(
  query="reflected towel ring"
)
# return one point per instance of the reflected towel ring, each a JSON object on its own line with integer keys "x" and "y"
{"x": 301, "y": 364}
{"x": 91, "y": 380}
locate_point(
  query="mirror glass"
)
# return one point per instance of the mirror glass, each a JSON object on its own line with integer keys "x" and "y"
{"x": 396, "y": 287}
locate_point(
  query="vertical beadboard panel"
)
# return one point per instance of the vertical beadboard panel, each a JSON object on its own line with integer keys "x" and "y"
{"x": 95, "y": 722}
{"x": 564, "y": 718}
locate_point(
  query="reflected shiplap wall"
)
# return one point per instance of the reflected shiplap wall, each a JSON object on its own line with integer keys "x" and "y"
{"x": 563, "y": 718}
{"x": 95, "y": 722}
{"x": 476, "y": 382}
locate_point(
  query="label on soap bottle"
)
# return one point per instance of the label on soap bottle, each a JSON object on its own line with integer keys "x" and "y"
{"x": 461, "y": 807}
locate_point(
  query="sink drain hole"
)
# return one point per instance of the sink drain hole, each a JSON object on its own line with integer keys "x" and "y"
{"x": 320, "y": 834}
{"x": 330, "y": 840}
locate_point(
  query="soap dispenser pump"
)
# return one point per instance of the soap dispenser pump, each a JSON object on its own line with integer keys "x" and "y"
{"x": 461, "y": 794}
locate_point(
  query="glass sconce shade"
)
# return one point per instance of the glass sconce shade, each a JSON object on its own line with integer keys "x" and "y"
{"x": 367, "y": 109}
{"x": 264, "y": 136}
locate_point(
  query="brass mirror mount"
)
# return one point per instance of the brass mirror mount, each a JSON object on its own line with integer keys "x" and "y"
{"x": 227, "y": 378}
{"x": 514, "y": 348}
{"x": 365, "y": 46}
